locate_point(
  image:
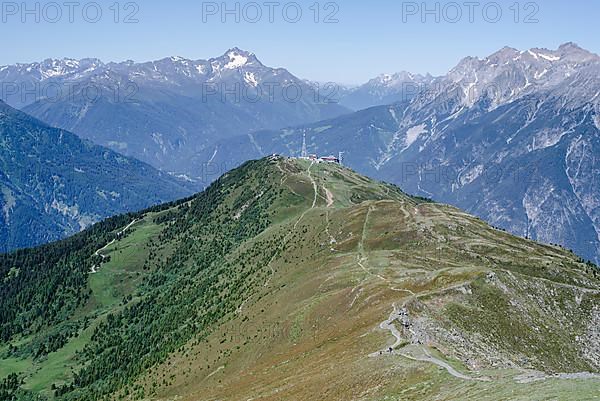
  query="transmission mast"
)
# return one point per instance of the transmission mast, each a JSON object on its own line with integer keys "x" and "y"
{"x": 304, "y": 151}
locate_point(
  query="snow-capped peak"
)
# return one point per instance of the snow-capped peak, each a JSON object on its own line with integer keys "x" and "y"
{"x": 397, "y": 79}
{"x": 236, "y": 60}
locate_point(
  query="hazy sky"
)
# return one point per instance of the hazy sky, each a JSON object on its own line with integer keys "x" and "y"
{"x": 347, "y": 41}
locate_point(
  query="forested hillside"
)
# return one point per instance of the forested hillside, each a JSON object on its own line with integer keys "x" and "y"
{"x": 53, "y": 184}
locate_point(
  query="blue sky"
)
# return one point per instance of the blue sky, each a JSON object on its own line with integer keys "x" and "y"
{"x": 348, "y": 41}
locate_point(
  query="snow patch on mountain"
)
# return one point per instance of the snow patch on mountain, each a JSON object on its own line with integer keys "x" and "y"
{"x": 535, "y": 55}
{"x": 236, "y": 60}
{"x": 394, "y": 116}
{"x": 549, "y": 57}
{"x": 250, "y": 79}
{"x": 539, "y": 75}
{"x": 213, "y": 155}
{"x": 55, "y": 71}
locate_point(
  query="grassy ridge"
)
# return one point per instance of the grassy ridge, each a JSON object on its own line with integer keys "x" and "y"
{"x": 282, "y": 272}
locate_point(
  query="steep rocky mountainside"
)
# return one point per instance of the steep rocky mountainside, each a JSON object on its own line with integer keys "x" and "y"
{"x": 53, "y": 184}
{"x": 289, "y": 280}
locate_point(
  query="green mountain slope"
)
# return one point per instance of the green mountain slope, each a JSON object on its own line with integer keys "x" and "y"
{"x": 287, "y": 280}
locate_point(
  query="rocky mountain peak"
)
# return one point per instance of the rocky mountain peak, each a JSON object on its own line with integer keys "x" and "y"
{"x": 235, "y": 58}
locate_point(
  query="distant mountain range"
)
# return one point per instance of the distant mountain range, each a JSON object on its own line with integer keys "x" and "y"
{"x": 164, "y": 112}
{"x": 513, "y": 138}
{"x": 385, "y": 89}
{"x": 54, "y": 184}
